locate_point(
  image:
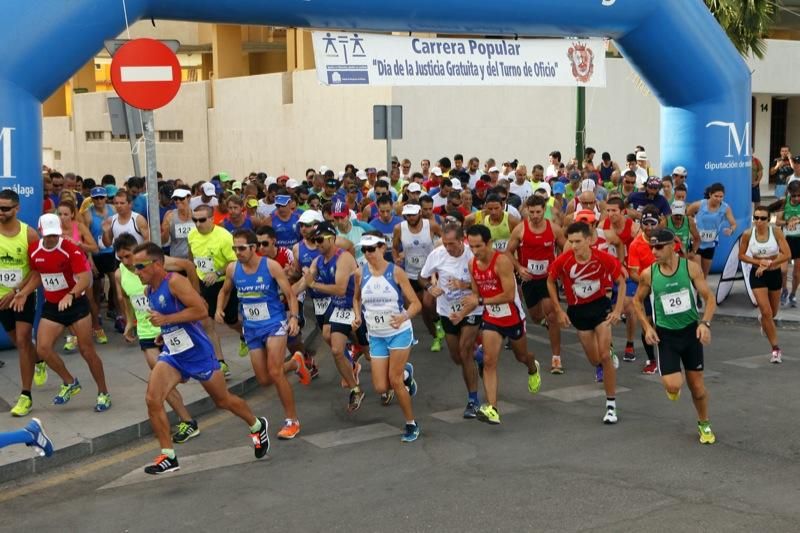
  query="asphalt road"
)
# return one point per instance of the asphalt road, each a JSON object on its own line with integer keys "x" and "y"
{"x": 551, "y": 466}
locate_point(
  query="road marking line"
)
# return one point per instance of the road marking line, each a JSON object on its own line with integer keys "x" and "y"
{"x": 353, "y": 435}
{"x": 145, "y": 74}
{"x": 579, "y": 392}
{"x": 456, "y": 416}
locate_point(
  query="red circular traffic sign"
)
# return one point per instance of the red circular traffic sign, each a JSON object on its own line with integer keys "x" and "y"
{"x": 146, "y": 74}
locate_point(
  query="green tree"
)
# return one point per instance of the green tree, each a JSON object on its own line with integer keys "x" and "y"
{"x": 745, "y": 21}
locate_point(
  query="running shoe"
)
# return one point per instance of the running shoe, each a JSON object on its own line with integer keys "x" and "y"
{"x": 356, "y": 397}
{"x": 555, "y": 365}
{"x": 162, "y": 465}
{"x": 40, "y": 374}
{"x": 411, "y": 433}
{"x": 100, "y": 336}
{"x": 410, "y": 382}
{"x": 244, "y": 350}
{"x": 776, "y": 357}
{"x": 479, "y": 359}
{"x": 436, "y": 345}
{"x": 784, "y": 296}
{"x": 41, "y": 442}
{"x": 261, "y": 439}
{"x": 311, "y": 366}
{"x": 507, "y": 345}
{"x": 226, "y": 370}
{"x": 650, "y": 368}
{"x": 356, "y": 374}
{"x": 439, "y": 330}
{"x": 488, "y": 414}
{"x": 103, "y": 402}
{"x": 629, "y": 355}
{"x": 302, "y": 372}
{"x": 792, "y": 300}
{"x": 471, "y": 410}
{"x": 387, "y": 397}
{"x": 67, "y": 392}
{"x": 706, "y": 435}
{"x": 23, "y": 406}
{"x": 535, "y": 380}
{"x": 598, "y": 374}
{"x": 71, "y": 343}
{"x": 119, "y": 324}
{"x": 186, "y": 430}
{"x": 614, "y": 359}
{"x": 674, "y": 396}
{"x": 611, "y": 415}
{"x": 290, "y": 429}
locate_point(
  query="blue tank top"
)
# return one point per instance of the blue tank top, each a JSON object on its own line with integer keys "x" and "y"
{"x": 709, "y": 223}
{"x": 259, "y": 300}
{"x": 96, "y": 228}
{"x": 186, "y": 339}
{"x": 286, "y": 231}
{"x": 605, "y": 173}
{"x": 306, "y": 256}
{"x": 247, "y": 224}
{"x": 387, "y": 228}
{"x": 326, "y": 275}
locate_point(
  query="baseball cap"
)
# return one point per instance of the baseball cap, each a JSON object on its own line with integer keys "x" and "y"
{"x": 236, "y": 186}
{"x": 340, "y": 209}
{"x": 209, "y": 189}
{"x": 662, "y": 236}
{"x": 224, "y": 176}
{"x": 457, "y": 185}
{"x": 323, "y": 169}
{"x": 641, "y": 156}
{"x": 292, "y": 184}
{"x": 649, "y": 220}
{"x": 654, "y": 182}
{"x": 252, "y": 202}
{"x": 310, "y": 216}
{"x": 414, "y": 187}
{"x": 332, "y": 182}
{"x": 588, "y": 185}
{"x": 679, "y": 207}
{"x": 411, "y": 209}
{"x": 679, "y": 171}
{"x": 585, "y": 215}
{"x": 494, "y": 169}
{"x": 283, "y": 177}
{"x": 436, "y": 171}
{"x": 372, "y": 170}
{"x": 49, "y": 224}
{"x": 574, "y": 176}
{"x": 544, "y": 186}
{"x": 395, "y": 160}
{"x": 559, "y": 188}
{"x": 282, "y": 200}
{"x": 98, "y": 192}
{"x": 179, "y": 193}
{"x": 324, "y": 228}
{"x": 482, "y": 185}
{"x": 371, "y": 240}
{"x": 361, "y": 175}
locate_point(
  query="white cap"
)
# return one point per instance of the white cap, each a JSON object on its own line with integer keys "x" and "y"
{"x": 49, "y": 224}
{"x": 371, "y": 240}
{"x": 181, "y": 193}
{"x": 209, "y": 189}
{"x": 502, "y": 178}
{"x": 494, "y": 169}
{"x": 436, "y": 171}
{"x": 544, "y": 186}
{"x": 680, "y": 171}
{"x": 341, "y": 175}
{"x": 310, "y": 216}
{"x": 641, "y": 156}
{"x": 408, "y": 209}
{"x": 361, "y": 175}
{"x": 414, "y": 187}
{"x": 457, "y": 185}
{"x": 270, "y": 180}
{"x": 386, "y": 180}
{"x": 678, "y": 207}
{"x": 588, "y": 185}
{"x": 292, "y": 184}
{"x": 323, "y": 169}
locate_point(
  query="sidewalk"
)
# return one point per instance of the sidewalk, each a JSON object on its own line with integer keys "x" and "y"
{"x": 76, "y": 429}
{"x": 738, "y": 305}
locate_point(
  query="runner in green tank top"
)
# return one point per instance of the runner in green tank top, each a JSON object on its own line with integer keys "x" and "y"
{"x": 136, "y": 307}
{"x": 494, "y": 217}
{"x": 789, "y": 221}
{"x": 673, "y": 280}
{"x": 685, "y": 228}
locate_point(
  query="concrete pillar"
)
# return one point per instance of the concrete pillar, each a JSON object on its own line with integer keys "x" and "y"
{"x": 267, "y": 62}
{"x": 762, "y": 116}
{"x": 229, "y": 61}
{"x": 299, "y": 50}
{"x": 207, "y": 66}
{"x": 56, "y": 105}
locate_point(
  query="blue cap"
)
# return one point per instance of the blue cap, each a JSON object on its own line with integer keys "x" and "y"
{"x": 559, "y": 188}
{"x": 98, "y": 192}
{"x": 282, "y": 200}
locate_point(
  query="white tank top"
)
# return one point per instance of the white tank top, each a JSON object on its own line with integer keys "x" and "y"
{"x": 761, "y": 250}
{"x": 118, "y": 229}
{"x": 381, "y": 298}
{"x": 416, "y": 247}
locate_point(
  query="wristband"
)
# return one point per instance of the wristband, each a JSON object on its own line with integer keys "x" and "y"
{"x": 480, "y": 300}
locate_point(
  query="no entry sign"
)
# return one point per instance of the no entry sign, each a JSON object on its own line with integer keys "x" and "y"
{"x": 146, "y": 74}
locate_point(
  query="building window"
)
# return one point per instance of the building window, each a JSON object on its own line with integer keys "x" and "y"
{"x": 95, "y": 136}
{"x": 123, "y": 137}
{"x": 170, "y": 136}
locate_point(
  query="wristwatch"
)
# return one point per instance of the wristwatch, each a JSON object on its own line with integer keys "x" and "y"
{"x": 706, "y": 323}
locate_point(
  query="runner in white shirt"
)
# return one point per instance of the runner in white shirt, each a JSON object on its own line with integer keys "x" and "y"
{"x": 521, "y": 186}
{"x": 450, "y": 264}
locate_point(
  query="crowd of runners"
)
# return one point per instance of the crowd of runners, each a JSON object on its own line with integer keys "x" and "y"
{"x": 476, "y": 251}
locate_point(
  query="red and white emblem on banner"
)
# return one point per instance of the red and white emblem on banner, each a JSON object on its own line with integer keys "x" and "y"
{"x": 582, "y": 59}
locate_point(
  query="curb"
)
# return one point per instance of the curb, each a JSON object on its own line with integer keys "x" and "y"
{"x": 126, "y": 435}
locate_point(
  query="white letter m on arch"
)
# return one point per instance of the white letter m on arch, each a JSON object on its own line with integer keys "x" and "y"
{"x": 5, "y": 139}
{"x": 738, "y": 142}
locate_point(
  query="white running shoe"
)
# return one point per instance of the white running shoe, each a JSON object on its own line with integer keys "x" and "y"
{"x": 777, "y": 357}
{"x": 611, "y": 415}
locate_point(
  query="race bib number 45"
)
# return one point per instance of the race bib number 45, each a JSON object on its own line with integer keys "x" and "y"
{"x": 177, "y": 341}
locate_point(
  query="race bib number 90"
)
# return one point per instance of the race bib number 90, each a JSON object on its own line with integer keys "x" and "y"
{"x": 255, "y": 312}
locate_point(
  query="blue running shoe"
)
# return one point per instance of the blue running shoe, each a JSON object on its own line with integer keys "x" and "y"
{"x": 411, "y": 433}
{"x": 67, "y": 392}
{"x": 41, "y": 442}
{"x": 598, "y": 374}
{"x": 471, "y": 411}
{"x": 410, "y": 382}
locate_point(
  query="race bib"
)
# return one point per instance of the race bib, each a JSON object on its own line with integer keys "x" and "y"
{"x": 255, "y": 312}
{"x": 321, "y": 305}
{"x": 204, "y": 264}
{"x": 182, "y": 229}
{"x": 676, "y": 302}
{"x": 379, "y": 321}
{"x": 498, "y": 310}
{"x": 10, "y": 278}
{"x": 54, "y": 282}
{"x": 585, "y": 288}
{"x": 177, "y": 341}
{"x": 361, "y": 261}
{"x": 389, "y": 240}
{"x": 708, "y": 235}
{"x": 343, "y": 316}
{"x": 500, "y": 245}
{"x": 538, "y": 268}
{"x": 792, "y": 232}
{"x": 415, "y": 260}
{"x": 141, "y": 303}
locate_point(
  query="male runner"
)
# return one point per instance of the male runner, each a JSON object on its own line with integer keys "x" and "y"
{"x": 675, "y": 330}
{"x": 31, "y": 435}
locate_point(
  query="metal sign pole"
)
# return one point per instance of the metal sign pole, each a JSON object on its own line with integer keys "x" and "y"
{"x": 152, "y": 179}
{"x": 129, "y": 121}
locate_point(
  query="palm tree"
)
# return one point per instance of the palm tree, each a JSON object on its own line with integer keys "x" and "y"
{"x": 746, "y": 22}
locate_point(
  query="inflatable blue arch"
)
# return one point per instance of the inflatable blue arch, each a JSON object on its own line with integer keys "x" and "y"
{"x": 677, "y": 48}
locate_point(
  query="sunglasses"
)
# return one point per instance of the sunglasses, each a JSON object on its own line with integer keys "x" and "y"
{"x": 142, "y": 265}
{"x": 199, "y": 220}
{"x": 795, "y": 195}
{"x": 658, "y": 246}
{"x": 320, "y": 240}
{"x": 368, "y": 249}
{"x": 760, "y": 218}
{"x": 241, "y": 248}
{"x": 7, "y": 208}
{"x": 263, "y": 244}
{"x": 630, "y": 182}
{"x": 649, "y": 223}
